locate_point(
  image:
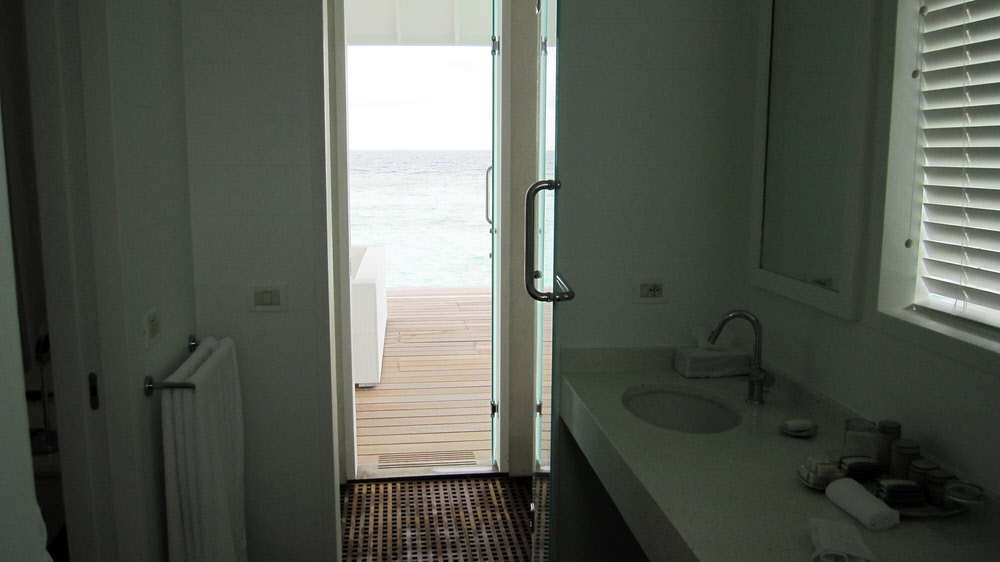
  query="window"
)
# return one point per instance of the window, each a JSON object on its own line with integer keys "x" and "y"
{"x": 948, "y": 191}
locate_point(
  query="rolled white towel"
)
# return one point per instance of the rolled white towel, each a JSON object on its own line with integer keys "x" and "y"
{"x": 838, "y": 542}
{"x": 866, "y": 508}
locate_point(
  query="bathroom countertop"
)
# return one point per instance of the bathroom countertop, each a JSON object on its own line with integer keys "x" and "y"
{"x": 733, "y": 495}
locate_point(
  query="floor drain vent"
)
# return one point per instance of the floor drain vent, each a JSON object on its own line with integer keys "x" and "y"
{"x": 435, "y": 458}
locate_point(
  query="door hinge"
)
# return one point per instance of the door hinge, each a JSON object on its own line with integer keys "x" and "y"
{"x": 494, "y": 408}
{"x": 538, "y": 408}
{"x": 496, "y": 46}
{"x": 95, "y": 402}
{"x": 545, "y": 45}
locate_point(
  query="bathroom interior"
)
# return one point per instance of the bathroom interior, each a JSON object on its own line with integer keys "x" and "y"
{"x": 664, "y": 140}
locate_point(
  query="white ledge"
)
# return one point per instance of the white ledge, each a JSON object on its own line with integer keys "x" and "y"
{"x": 733, "y": 495}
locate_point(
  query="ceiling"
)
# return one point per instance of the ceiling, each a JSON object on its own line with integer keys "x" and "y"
{"x": 423, "y": 22}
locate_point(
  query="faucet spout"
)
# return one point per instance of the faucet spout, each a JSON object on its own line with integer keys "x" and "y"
{"x": 755, "y": 391}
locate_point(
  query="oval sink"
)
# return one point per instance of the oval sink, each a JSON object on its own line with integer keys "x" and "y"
{"x": 679, "y": 409}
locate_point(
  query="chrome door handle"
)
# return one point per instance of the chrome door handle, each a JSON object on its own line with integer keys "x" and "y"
{"x": 563, "y": 292}
{"x": 489, "y": 200}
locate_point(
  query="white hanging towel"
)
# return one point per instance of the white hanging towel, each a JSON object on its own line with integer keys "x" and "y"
{"x": 175, "y": 462}
{"x": 209, "y": 435}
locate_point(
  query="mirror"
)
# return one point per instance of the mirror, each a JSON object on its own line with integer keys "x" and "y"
{"x": 815, "y": 157}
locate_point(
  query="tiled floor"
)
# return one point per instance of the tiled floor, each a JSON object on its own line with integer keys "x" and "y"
{"x": 454, "y": 519}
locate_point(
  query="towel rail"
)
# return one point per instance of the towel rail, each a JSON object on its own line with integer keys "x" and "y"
{"x": 149, "y": 384}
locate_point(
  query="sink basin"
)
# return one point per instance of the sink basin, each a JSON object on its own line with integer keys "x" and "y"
{"x": 679, "y": 409}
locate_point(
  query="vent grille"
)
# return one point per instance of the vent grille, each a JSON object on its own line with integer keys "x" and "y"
{"x": 426, "y": 459}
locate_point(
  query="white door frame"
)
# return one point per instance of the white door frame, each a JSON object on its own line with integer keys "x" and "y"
{"x": 519, "y": 162}
{"x": 53, "y": 35}
{"x": 518, "y": 157}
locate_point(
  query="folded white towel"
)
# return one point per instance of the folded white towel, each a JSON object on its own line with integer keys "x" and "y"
{"x": 866, "y": 508}
{"x": 838, "y": 542}
{"x": 214, "y": 431}
{"x": 177, "y": 478}
{"x": 711, "y": 361}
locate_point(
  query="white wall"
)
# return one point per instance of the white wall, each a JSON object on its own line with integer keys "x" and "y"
{"x": 655, "y": 110}
{"x": 940, "y": 389}
{"x": 137, "y": 187}
{"x": 656, "y": 130}
{"x": 255, "y": 123}
{"x": 22, "y": 531}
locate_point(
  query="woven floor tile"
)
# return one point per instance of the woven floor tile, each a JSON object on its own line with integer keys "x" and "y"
{"x": 448, "y": 519}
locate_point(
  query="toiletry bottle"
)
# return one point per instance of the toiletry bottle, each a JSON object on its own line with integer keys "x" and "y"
{"x": 919, "y": 469}
{"x": 934, "y": 483}
{"x": 903, "y": 452}
{"x": 887, "y": 431}
{"x": 859, "y": 437}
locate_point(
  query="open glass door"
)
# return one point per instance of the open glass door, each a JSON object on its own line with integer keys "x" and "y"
{"x": 543, "y": 258}
{"x": 493, "y": 180}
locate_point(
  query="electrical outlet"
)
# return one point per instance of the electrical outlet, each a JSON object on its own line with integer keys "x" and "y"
{"x": 649, "y": 292}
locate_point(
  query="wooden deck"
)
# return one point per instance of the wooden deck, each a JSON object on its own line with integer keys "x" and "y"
{"x": 430, "y": 412}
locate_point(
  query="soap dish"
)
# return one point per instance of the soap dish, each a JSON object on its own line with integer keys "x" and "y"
{"x": 817, "y": 481}
{"x": 800, "y": 428}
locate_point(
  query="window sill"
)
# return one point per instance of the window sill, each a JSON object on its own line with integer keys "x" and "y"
{"x": 961, "y": 341}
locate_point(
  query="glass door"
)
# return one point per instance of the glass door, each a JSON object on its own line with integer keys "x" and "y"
{"x": 493, "y": 180}
{"x": 543, "y": 257}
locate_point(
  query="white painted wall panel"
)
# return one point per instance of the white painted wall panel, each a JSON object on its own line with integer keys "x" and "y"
{"x": 654, "y": 150}
{"x": 255, "y": 120}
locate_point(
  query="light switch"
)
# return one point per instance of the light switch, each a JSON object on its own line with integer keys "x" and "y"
{"x": 267, "y": 297}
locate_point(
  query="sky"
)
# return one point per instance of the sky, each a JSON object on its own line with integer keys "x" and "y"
{"x": 421, "y": 98}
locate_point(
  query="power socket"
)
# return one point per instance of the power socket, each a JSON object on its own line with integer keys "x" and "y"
{"x": 648, "y": 292}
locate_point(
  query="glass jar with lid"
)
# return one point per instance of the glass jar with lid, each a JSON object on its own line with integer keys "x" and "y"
{"x": 935, "y": 482}
{"x": 919, "y": 469}
{"x": 859, "y": 438}
{"x": 886, "y": 431}
{"x": 904, "y": 451}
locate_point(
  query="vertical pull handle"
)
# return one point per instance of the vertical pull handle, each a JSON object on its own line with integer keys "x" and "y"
{"x": 489, "y": 198}
{"x": 562, "y": 292}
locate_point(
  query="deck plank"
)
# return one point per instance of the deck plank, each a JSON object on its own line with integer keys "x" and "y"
{"x": 435, "y": 389}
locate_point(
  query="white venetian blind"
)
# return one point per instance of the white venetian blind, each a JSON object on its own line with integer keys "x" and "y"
{"x": 959, "y": 270}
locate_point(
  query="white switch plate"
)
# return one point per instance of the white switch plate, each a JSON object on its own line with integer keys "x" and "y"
{"x": 272, "y": 297}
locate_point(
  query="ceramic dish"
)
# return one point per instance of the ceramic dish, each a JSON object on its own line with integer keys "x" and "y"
{"x": 816, "y": 482}
{"x": 798, "y": 428}
{"x": 927, "y": 510}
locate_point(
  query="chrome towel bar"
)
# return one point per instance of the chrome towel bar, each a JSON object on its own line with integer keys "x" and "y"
{"x": 149, "y": 384}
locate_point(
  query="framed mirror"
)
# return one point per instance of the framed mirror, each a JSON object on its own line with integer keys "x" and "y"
{"x": 816, "y": 153}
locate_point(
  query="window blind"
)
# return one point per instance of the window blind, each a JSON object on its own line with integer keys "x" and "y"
{"x": 959, "y": 269}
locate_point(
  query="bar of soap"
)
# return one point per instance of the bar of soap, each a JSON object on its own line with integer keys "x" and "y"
{"x": 715, "y": 361}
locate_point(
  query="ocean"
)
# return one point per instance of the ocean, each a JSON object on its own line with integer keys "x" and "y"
{"x": 428, "y": 208}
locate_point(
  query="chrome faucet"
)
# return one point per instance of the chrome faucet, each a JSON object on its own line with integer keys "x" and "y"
{"x": 758, "y": 378}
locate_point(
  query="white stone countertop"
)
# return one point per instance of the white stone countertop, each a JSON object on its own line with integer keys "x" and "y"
{"x": 733, "y": 495}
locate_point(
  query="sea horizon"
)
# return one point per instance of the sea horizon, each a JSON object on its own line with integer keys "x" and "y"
{"x": 428, "y": 208}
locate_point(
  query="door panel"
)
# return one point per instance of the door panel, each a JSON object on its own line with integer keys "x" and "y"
{"x": 544, "y": 221}
{"x": 496, "y": 278}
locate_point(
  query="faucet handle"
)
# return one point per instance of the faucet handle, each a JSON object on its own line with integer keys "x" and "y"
{"x": 767, "y": 379}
